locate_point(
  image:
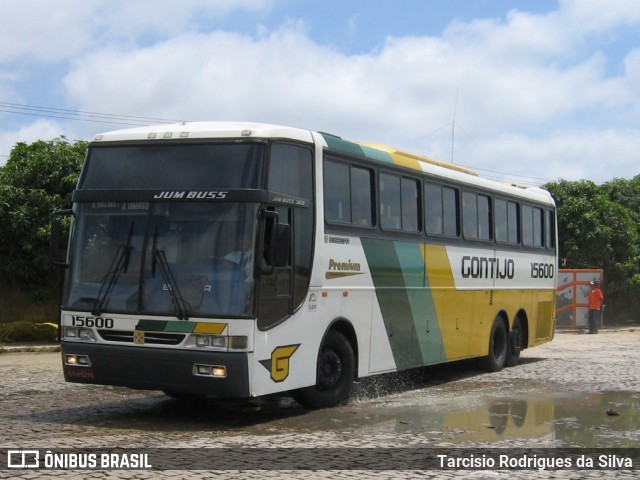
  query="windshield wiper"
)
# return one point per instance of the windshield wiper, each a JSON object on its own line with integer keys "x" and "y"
{"x": 182, "y": 308}
{"x": 119, "y": 264}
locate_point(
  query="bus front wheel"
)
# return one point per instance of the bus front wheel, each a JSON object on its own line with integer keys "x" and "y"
{"x": 498, "y": 345}
{"x": 335, "y": 373}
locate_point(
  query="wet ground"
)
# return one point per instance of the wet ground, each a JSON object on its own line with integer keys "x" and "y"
{"x": 579, "y": 391}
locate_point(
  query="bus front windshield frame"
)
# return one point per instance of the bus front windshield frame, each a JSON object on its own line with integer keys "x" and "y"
{"x": 179, "y": 259}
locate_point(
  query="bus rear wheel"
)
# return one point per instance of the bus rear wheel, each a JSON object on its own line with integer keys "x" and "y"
{"x": 498, "y": 345}
{"x": 335, "y": 373}
{"x": 516, "y": 339}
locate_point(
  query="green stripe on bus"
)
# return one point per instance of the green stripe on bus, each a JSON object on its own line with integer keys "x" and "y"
{"x": 397, "y": 270}
{"x": 339, "y": 145}
{"x": 376, "y": 154}
{"x": 421, "y": 301}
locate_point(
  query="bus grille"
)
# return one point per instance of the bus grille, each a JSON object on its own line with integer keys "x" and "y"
{"x": 153, "y": 338}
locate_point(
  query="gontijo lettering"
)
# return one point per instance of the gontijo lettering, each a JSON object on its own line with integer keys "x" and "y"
{"x": 487, "y": 267}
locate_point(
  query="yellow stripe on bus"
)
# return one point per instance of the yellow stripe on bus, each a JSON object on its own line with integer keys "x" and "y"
{"x": 213, "y": 328}
{"x": 454, "y": 309}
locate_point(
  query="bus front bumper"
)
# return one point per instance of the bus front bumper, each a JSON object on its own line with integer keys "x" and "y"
{"x": 175, "y": 371}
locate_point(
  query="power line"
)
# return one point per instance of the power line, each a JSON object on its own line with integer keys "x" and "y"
{"x": 138, "y": 120}
{"x": 510, "y": 175}
{"x": 80, "y": 115}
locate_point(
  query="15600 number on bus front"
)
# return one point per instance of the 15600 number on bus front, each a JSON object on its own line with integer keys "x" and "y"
{"x": 98, "y": 322}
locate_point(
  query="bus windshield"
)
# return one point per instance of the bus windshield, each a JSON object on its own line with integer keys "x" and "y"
{"x": 173, "y": 166}
{"x": 166, "y": 258}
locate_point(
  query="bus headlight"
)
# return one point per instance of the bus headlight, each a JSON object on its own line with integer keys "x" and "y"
{"x": 217, "y": 342}
{"x": 238, "y": 342}
{"x": 78, "y": 334}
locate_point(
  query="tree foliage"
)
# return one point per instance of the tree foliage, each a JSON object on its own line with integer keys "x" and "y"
{"x": 37, "y": 179}
{"x": 599, "y": 227}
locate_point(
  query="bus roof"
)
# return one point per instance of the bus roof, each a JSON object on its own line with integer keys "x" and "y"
{"x": 371, "y": 151}
{"x": 445, "y": 171}
{"x": 185, "y": 130}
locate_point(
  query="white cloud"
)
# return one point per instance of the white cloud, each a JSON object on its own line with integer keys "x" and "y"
{"x": 531, "y": 86}
{"x": 49, "y": 32}
{"x": 570, "y": 154}
{"x": 44, "y": 31}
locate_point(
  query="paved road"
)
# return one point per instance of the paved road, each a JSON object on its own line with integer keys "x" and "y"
{"x": 578, "y": 391}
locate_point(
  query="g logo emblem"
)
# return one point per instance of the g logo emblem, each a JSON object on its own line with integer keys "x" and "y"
{"x": 278, "y": 364}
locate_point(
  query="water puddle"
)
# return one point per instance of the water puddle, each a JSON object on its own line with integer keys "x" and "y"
{"x": 573, "y": 419}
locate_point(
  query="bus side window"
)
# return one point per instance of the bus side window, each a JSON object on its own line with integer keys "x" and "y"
{"x": 532, "y": 221}
{"x": 476, "y": 216}
{"x": 550, "y": 230}
{"x": 389, "y": 201}
{"x": 441, "y": 210}
{"x": 469, "y": 216}
{"x": 348, "y": 196}
{"x": 410, "y": 197}
{"x": 506, "y": 221}
{"x": 337, "y": 192}
{"x": 361, "y": 198}
{"x": 433, "y": 209}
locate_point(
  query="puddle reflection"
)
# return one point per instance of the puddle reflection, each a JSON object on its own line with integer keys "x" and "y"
{"x": 604, "y": 419}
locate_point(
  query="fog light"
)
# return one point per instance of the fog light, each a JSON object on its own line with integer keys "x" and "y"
{"x": 77, "y": 360}
{"x": 70, "y": 360}
{"x": 210, "y": 371}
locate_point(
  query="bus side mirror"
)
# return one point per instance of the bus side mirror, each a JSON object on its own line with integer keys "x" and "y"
{"x": 59, "y": 240}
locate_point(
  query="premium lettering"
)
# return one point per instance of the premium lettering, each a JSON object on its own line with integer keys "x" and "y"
{"x": 344, "y": 266}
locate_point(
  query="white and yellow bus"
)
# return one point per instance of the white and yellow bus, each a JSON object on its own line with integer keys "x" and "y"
{"x": 239, "y": 260}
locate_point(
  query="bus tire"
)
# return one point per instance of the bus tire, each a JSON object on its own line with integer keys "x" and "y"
{"x": 498, "y": 342}
{"x": 516, "y": 337}
{"x": 335, "y": 373}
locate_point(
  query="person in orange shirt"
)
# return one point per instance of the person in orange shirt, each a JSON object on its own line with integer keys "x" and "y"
{"x": 596, "y": 299}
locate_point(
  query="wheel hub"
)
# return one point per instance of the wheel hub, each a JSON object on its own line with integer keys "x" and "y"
{"x": 330, "y": 369}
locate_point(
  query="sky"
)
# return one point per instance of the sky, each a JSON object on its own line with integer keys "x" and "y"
{"x": 521, "y": 91}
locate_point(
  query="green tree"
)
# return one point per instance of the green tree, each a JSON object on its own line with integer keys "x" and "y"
{"x": 37, "y": 179}
{"x": 626, "y": 193}
{"x": 598, "y": 229}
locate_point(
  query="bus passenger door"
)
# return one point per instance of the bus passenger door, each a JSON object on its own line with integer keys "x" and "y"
{"x": 275, "y": 269}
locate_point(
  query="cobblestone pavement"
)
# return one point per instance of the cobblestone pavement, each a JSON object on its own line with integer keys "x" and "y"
{"x": 577, "y": 391}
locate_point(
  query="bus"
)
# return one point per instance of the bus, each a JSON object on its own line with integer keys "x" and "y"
{"x": 236, "y": 260}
